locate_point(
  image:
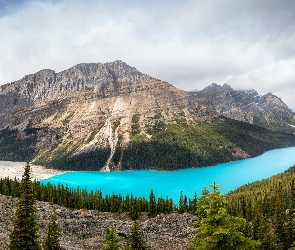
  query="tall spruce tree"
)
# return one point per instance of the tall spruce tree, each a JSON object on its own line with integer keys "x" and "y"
{"x": 24, "y": 234}
{"x": 217, "y": 229}
{"x": 136, "y": 240}
{"x": 152, "y": 206}
{"x": 112, "y": 241}
{"x": 51, "y": 241}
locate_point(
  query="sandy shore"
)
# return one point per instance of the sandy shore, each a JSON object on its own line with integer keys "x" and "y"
{"x": 13, "y": 169}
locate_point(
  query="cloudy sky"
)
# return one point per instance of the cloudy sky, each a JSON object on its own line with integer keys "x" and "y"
{"x": 189, "y": 43}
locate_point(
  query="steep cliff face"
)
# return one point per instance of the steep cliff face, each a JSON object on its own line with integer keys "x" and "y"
{"x": 267, "y": 110}
{"x": 111, "y": 117}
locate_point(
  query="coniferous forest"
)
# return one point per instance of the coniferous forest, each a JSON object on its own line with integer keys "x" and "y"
{"x": 171, "y": 147}
{"x": 260, "y": 215}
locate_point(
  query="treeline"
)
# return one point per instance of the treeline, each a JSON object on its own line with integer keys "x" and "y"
{"x": 164, "y": 156}
{"x": 95, "y": 200}
{"x": 171, "y": 146}
{"x": 18, "y": 146}
{"x": 178, "y": 146}
{"x": 267, "y": 206}
{"x": 269, "y": 209}
{"x": 65, "y": 160}
{"x": 252, "y": 139}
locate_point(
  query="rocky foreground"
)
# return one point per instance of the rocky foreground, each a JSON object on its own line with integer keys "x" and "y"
{"x": 84, "y": 229}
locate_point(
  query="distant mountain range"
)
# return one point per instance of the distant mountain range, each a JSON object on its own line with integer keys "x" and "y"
{"x": 110, "y": 116}
{"x": 267, "y": 110}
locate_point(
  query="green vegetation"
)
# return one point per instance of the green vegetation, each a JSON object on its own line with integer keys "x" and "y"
{"x": 51, "y": 241}
{"x": 16, "y": 146}
{"x": 135, "y": 240}
{"x": 152, "y": 206}
{"x": 171, "y": 146}
{"x": 68, "y": 118}
{"x": 63, "y": 157}
{"x": 93, "y": 200}
{"x": 260, "y": 215}
{"x": 269, "y": 209}
{"x": 174, "y": 146}
{"x": 112, "y": 241}
{"x": 24, "y": 234}
{"x": 135, "y": 128}
{"x": 115, "y": 124}
{"x": 158, "y": 116}
{"x": 216, "y": 229}
{"x": 93, "y": 133}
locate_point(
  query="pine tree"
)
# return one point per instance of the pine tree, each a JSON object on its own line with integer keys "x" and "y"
{"x": 279, "y": 223}
{"x": 133, "y": 210}
{"x": 182, "y": 204}
{"x": 152, "y": 208}
{"x": 51, "y": 241}
{"x": 201, "y": 204}
{"x": 217, "y": 229}
{"x": 136, "y": 240}
{"x": 112, "y": 241}
{"x": 24, "y": 234}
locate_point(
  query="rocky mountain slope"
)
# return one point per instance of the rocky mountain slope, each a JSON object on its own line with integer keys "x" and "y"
{"x": 267, "y": 110}
{"x": 85, "y": 229}
{"x": 112, "y": 117}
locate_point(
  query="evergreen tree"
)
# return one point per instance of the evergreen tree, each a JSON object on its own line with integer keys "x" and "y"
{"x": 217, "y": 229}
{"x": 201, "y": 204}
{"x": 51, "y": 241}
{"x": 290, "y": 227}
{"x": 133, "y": 210}
{"x": 24, "y": 234}
{"x": 152, "y": 208}
{"x": 182, "y": 204}
{"x": 136, "y": 240}
{"x": 112, "y": 241}
{"x": 279, "y": 223}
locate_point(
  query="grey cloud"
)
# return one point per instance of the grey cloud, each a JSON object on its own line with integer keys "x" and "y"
{"x": 249, "y": 44}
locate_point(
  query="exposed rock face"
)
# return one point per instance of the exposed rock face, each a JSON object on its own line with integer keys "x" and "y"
{"x": 267, "y": 110}
{"x": 89, "y": 106}
{"x": 109, "y": 79}
{"x": 85, "y": 229}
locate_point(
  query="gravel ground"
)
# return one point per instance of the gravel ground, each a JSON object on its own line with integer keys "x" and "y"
{"x": 84, "y": 229}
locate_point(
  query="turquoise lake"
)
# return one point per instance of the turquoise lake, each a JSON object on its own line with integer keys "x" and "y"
{"x": 228, "y": 175}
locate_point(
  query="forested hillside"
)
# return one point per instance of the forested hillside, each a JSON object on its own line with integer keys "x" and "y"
{"x": 176, "y": 146}
{"x": 269, "y": 208}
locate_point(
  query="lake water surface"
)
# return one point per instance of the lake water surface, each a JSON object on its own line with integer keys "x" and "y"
{"x": 228, "y": 175}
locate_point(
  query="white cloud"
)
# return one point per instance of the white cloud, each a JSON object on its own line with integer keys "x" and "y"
{"x": 249, "y": 44}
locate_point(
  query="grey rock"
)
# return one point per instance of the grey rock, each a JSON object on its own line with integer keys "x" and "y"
{"x": 85, "y": 229}
{"x": 267, "y": 110}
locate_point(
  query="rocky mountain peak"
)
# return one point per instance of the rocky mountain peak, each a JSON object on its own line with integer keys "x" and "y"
{"x": 215, "y": 88}
{"x": 248, "y": 106}
{"x": 104, "y": 79}
{"x": 123, "y": 73}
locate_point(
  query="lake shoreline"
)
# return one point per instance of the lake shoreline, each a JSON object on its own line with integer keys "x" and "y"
{"x": 228, "y": 175}
{"x": 12, "y": 169}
